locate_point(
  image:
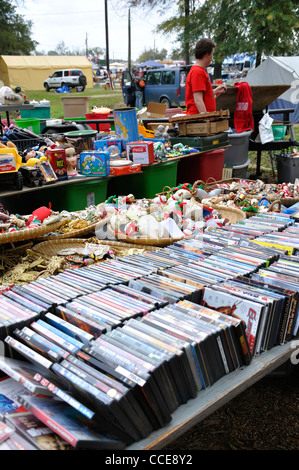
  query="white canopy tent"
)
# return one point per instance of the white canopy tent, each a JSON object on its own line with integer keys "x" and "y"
{"x": 279, "y": 71}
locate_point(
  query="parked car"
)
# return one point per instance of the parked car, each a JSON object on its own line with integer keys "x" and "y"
{"x": 70, "y": 77}
{"x": 164, "y": 85}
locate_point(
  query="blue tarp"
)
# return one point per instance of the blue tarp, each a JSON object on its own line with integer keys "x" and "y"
{"x": 152, "y": 64}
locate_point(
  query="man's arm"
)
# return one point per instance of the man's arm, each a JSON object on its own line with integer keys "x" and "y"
{"x": 198, "y": 100}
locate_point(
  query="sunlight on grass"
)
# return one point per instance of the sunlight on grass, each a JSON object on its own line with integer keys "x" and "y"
{"x": 97, "y": 97}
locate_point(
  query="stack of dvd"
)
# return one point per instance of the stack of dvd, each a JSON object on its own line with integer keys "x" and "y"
{"x": 104, "y": 310}
{"x": 15, "y": 310}
{"x": 166, "y": 288}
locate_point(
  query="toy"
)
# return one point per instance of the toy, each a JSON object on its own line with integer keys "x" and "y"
{"x": 71, "y": 160}
{"x": 10, "y": 163}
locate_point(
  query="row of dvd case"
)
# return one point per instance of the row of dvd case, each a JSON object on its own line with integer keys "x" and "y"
{"x": 161, "y": 354}
{"x": 196, "y": 263}
{"x": 126, "y": 383}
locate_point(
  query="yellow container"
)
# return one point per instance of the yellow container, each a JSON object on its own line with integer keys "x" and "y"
{"x": 75, "y": 106}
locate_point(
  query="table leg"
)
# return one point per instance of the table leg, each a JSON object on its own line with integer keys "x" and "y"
{"x": 258, "y": 163}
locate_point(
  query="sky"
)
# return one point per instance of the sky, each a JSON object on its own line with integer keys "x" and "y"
{"x": 76, "y": 22}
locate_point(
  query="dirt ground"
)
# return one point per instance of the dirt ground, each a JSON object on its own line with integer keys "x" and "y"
{"x": 263, "y": 417}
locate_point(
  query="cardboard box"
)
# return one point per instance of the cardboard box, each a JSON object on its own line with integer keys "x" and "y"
{"x": 141, "y": 152}
{"x": 153, "y": 110}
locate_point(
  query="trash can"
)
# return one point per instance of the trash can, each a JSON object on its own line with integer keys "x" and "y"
{"x": 287, "y": 167}
{"x": 237, "y": 153}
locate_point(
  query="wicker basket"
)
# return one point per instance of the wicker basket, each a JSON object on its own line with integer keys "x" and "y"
{"x": 29, "y": 233}
{"x": 79, "y": 233}
{"x": 145, "y": 241}
{"x": 52, "y": 247}
{"x": 231, "y": 213}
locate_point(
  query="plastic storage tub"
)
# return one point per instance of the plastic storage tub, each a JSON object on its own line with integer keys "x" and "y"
{"x": 32, "y": 124}
{"x": 279, "y": 132}
{"x": 240, "y": 171}
{"x": 41, "y": 110}
{"x": 237, "y": 154}
{"x": 75, "y": 106}
{"x": 102, "y": 127}
{"x": 201, "y": 167}
{"x": 287, "y": 167}
{"x": 151, "y": 180}
{"x": 78, "y": 195}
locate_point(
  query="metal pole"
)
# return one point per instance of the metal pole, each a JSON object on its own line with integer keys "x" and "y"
{"x": 129, "y": 42}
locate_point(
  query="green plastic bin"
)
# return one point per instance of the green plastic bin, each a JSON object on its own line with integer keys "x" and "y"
{"x": 147, "y": 184}
{"x": 279, "y": 132}
{"x": 41, "y": 112}
{"x": 32, "y": 124}
{"x": 79, "y": 194}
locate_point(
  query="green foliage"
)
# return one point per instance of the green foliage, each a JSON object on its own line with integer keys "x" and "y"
{"x": 267, "y": 27}
{"x": 15, "y": 32}
{"x": 152, "y": 54}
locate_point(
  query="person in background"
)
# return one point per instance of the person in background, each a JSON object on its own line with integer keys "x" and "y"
{"x": 138, "y": 90}
{"x": 199, "y": 94}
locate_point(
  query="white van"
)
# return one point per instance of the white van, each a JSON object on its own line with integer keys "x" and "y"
{"x": 70, "y": 77}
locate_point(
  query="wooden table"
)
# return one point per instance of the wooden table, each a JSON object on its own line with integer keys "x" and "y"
{"x": 208, "y": 401}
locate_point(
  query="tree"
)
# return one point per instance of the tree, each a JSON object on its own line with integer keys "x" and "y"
{"x": 15, "y": 32}
{"x": 152, "y": 54}
{"x": 253, "y": 26}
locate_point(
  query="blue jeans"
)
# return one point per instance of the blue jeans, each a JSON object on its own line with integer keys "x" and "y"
{"x": 138, "y": 99}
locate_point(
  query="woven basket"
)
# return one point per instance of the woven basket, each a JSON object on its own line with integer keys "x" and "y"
{"x": 52, "y": 247}
{"x": 211, "y": 183}
{"x": 29, "y": 233}
{"x": 231, "y": 213}
{"x": 147, "y": 241}
{"x": 289, "y": 201}
{"x": 79, "y": 233}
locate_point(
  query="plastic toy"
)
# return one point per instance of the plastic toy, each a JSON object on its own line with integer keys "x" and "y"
{"x": 10, "y": 163}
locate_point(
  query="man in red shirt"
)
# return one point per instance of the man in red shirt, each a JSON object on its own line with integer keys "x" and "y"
{"x": 199, "y": 94}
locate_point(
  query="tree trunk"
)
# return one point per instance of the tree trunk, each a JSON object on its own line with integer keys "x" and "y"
{"x": 217, "y": 71}
{"x": 258, "y": 59}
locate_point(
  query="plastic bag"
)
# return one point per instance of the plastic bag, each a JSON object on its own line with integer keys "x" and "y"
{"x": 265, "y": 129}
{"x": 7, "y": 96}
{"x": 64, "y": 89}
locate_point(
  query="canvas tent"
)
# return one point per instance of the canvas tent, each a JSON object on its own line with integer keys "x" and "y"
{"x": 279, "y": 71}
{"x": 29, "y": 72}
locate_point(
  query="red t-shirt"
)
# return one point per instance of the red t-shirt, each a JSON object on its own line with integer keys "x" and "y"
{"x": 199, "y": 80}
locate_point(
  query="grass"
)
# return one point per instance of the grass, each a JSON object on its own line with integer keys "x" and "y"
{"x": 97, "y": 97}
